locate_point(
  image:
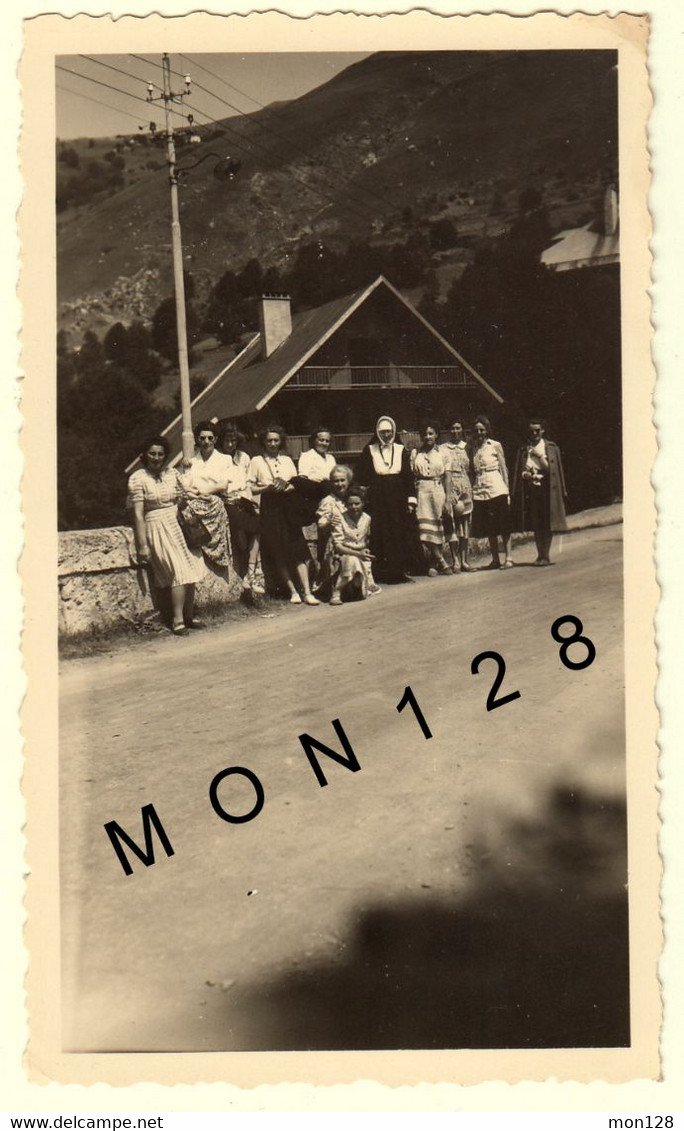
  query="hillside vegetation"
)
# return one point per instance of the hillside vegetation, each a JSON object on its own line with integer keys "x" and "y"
{"x": 446, "y": 172}
{"x": 391, "y": 147}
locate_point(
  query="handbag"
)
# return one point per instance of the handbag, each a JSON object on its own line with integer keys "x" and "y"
{"x": 247, "y": 505}
{"x": 192, "y": 528}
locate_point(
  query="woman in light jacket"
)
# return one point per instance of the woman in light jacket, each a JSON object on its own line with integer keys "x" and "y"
{"x": 491, "y": 501}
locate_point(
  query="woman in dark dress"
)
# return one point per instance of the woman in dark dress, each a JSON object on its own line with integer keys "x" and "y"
{"x": 270, "y": 480}
{"x": 385, "y": 468}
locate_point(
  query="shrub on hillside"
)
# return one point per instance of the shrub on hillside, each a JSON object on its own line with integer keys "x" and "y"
{"x": 101, "y": 405}
{"x": 443, "y": 234}
{"x": 165, "y": 331}
{"x": 69, "y": 157}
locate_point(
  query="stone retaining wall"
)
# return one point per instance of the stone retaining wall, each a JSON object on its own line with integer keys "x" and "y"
{"x": 100, "y": 583}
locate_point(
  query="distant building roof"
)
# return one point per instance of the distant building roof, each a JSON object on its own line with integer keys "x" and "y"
{"x": 594, "y": 245}
{"x": 248, "y": 383}
{"x": 581, "y": 247}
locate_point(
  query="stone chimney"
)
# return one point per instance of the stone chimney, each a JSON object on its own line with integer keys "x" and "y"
{"x": 275, "y": 322}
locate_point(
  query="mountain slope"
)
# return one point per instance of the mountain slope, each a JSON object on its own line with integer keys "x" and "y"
{"x": 443, "y": 134}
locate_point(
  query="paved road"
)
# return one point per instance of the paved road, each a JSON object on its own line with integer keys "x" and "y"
{"x": 196, "y": 951}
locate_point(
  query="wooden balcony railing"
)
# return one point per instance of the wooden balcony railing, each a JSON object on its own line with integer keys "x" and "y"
{"x": 381, "y": 377}
{"x": 347, "y": 443}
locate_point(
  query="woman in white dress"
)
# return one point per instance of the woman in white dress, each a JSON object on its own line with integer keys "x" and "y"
{"x": 270, "y": 480}
{"x": 153, "y": 495}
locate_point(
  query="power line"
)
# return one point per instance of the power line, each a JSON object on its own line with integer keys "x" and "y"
{"x": 250, "y": 141}
{"x": 312, "y": 188}
{"x": 128, "y": 74}
{"x": 98, "y": 82}
{"x": 263, "y": 126}
{"x": 365, "y": 216}
{"x": 119, "y": 70}
{"x": 99, "y": 102}
{"x": 202, "y": 67}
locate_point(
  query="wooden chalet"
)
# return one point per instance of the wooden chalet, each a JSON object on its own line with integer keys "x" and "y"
{"x": 341, "y": 366}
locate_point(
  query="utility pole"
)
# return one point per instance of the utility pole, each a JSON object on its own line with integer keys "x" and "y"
{"x": 167, "y": 97}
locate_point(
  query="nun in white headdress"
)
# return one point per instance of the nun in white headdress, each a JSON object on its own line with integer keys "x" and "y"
{"x": 385, "y": 469}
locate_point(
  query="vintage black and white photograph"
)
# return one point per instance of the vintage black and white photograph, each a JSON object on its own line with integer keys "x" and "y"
{"x": 340, "y": 476}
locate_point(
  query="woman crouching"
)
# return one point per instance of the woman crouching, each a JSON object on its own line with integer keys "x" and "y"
{"x": 334, "y": 503}
{"x": 153, "y": 494}
{"x": 351, "y": 556}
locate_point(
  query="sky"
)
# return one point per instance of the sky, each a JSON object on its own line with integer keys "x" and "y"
{"x": 87, "y": 108}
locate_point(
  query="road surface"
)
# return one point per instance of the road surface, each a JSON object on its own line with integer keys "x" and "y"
{"x": 446, "y": 870}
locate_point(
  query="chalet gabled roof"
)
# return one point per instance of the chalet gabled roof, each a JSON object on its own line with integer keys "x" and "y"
{"x": 247, "y": 384}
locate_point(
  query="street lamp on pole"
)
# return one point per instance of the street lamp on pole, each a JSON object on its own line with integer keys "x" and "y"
{"x": 226, "y": 169}
{"x": 168, "y": 96}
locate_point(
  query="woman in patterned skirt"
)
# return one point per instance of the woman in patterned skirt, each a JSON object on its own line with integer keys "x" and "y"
{"x": 458, "y": 508}
{"x": 205, "y": 479}
{"x": 242, "y": 510}
{"x": 153, "y": 494}
{"x": 428, "y": 468}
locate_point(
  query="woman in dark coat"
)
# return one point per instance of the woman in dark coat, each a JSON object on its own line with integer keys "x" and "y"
{"x": 539, "y": 490}
{"x": 385, "y": 468}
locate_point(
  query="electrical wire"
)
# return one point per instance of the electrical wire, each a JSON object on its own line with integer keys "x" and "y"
{"x": 367, "y": 217}
{"x": 238, "y": 139}
{"x": 98, "y": 82}
{"x": 226, "y": 130}
{"x": 269, "y": 129}
{"x": 362, "y": 204}
{"x": 99, "y": 102}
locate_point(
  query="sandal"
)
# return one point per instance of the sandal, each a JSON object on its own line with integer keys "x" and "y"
{"x": 311, "y": 600}
{"x": 180, "y": 630}
{"x": 254, "y": 580}
{"x": 508, "y": 564}
{"x": 335, "y": 600}
{"x": 295, "y": 599}
{"x": 194, "y": 623}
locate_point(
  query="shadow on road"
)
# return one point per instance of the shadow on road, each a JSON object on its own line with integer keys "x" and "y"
{"x": 534, "y": 954}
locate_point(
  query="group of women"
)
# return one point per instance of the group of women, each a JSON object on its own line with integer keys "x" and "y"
{"x": 369, "y": 525}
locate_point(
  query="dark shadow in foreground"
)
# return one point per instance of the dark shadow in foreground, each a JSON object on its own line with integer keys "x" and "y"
{"x": 533, "y": 955}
